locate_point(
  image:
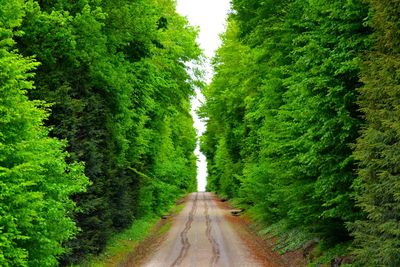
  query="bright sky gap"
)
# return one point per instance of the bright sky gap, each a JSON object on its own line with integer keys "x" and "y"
{"x": 210, "y": 17}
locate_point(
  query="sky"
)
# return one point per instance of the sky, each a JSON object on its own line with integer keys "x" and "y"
{"x": 210, "y": 16}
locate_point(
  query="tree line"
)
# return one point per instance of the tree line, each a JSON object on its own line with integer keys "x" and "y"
{"x": 95, "y": 125}
{"x": 302, "y": 124}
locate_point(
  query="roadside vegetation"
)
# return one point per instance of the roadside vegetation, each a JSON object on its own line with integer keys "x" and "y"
{"x": 130, "y": 244}
{"x": 122, "y": 244}
{"x": 97, "y": 141}
{"x": 302, "y": 125}
{"x": 95, "y": 125}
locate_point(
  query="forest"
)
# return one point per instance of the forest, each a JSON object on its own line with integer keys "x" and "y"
{"x": 303, "y": 125}
{"x": 95, "y": 124}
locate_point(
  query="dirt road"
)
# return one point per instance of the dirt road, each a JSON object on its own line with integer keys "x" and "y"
{"x": 201, "y": 236}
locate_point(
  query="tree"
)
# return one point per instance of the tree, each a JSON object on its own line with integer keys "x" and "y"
{"x": 115, "y": 75}
{"x": 282, "y": 114}
{"x": 36, "y": 182}
{"x": 377, "y": 237}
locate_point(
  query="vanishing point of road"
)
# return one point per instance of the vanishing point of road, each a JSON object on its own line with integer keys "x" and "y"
{"x": 200, "y": 237}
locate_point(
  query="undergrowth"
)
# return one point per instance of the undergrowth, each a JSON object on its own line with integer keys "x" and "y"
{"x": 122, "y": 243}
{"x": 287, "y": 239}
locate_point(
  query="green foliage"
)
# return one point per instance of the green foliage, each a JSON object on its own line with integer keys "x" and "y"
{"x": 224, "y": 135}
{"x": 282, "y": 112}
{"x": 320, "y": 117}
{"x": 113, "y": 74}
{"x": 121, "y": 244}
{"x": 35, "y": 181}
{"x": 377, "y": 237}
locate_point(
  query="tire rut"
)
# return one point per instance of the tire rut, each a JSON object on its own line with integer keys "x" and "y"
{"x": 215, "y": 247}
{"x": 184, "y": 238}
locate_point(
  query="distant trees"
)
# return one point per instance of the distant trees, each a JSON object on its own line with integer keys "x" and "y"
{"x": 284, "y": 112}
{"x": 111, "y": 87}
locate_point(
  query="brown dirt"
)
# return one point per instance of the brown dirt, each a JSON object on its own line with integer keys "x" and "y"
{"x": 201, "y": 236}
{"x": 152, "y": 242}
{"x": 263, "y": 248}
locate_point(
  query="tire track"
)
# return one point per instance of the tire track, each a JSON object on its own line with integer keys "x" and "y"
{"x": 215, "y": 247}
{"x": 184, "y": 238}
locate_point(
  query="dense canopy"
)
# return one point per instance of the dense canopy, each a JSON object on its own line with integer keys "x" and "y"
{"x": 95, "y": 125}
{"x": 302, "y": 124}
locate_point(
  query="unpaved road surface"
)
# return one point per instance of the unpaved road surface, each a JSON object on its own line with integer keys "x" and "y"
{"x": 201, "y": 236}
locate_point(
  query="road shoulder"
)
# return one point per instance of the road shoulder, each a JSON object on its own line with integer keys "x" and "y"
{"x": 262, "y": 248}
{"x": 146, "y": 249}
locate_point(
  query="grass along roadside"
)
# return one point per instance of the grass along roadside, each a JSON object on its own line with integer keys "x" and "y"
{"x": 123, "y": 245}
{"x": 294, "y": 247}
